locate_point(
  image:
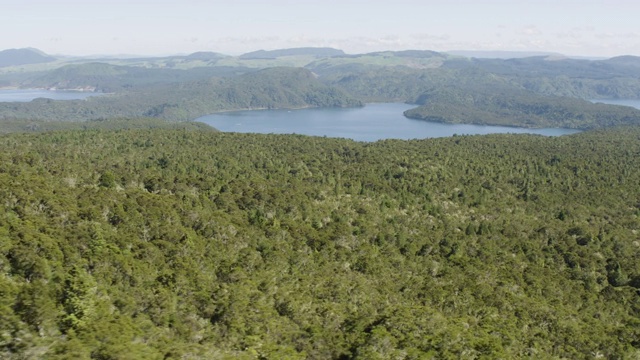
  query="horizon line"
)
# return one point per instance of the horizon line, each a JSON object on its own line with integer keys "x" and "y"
{"x": 460, "y": 52}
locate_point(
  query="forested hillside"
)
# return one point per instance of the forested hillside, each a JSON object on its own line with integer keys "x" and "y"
{"x": 616, "y": 78}
{"x": 176, "y": 244}
{"x": 467, "y": 103}
{"x": 182, "y": 101}
{"x": 107, "y": 78}
{"x": 474, "y": 96}
{"x": 22, "y": 126}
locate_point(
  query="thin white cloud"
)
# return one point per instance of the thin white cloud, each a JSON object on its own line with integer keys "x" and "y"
{"x": 620, "y": 36}
{"x": 573, "y": 34}
{"x": 530, "y": 30}
{"x": 631, "y": 35}
{"x": 430, "y": 37}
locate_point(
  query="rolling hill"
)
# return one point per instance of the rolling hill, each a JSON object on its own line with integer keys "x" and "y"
{"x": 27, "y": 56}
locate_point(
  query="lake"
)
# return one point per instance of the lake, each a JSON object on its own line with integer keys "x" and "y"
{"x": 626, "y": 102}
{"x": 369, "y": 123}
{"x": 24, "y": 95}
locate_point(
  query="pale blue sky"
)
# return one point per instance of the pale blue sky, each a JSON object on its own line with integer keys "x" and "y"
{"x": 161, "y": 27}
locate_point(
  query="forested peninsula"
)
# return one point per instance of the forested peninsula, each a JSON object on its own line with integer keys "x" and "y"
{"x": 186, "y": 243}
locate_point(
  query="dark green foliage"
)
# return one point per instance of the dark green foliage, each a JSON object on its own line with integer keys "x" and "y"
{"x": 174, "y": 244}
{"x": 510, "y": 106}
{"x": 13, "y": 126}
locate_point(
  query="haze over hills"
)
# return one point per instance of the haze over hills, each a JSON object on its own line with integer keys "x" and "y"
{"x": 536, "y": 91}
{"x": 26, "y": 56}
{"x": 30, "y": 56}
{"x": 487, "y": 54}
{"x": 307, "y": 51}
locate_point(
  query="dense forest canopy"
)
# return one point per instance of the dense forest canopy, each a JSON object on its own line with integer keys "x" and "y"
{"x": 175, "y": 244}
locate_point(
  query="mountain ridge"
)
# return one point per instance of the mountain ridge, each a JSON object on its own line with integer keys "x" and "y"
{"x": 302, "y": 51}
{"x": 24, "y": 56}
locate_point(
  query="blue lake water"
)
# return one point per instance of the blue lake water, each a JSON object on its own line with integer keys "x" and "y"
{"x": 25, "y": 95}
{"x": 369, "y": 123}
{"x": 626, "y": 102}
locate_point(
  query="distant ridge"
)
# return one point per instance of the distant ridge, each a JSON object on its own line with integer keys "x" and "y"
{"x": 26, "y": 56}
{"x": 625, "y": 60}
{"x": 305, "y": 51}
{"x": 480, "y": 54}
{"x": 419, "y": 54}
{"x": 205, "y": 55}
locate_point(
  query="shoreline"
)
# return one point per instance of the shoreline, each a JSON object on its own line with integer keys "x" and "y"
{"x": 277, "y": 109}
{"x": 80, "y": 90}
{"x": 385, "y": 126}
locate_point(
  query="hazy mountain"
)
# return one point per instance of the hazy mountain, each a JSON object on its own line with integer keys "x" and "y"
{"x": 305, "y": 51}
{"x": 626, "y": 61}
{"x": 538, "y": 66}
{"x": 14, "y": 57}
{"x": 104, "y": 77}
{"x": 205, "y": 55}
{"x": 418, "y": 53}
{"x": 499, "y": 54}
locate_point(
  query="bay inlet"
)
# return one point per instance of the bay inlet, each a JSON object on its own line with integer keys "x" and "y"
{"x": 369, "y": 123}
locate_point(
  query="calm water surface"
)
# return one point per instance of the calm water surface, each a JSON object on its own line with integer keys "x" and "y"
{"x": 626, "y": 102}
{"x": 369, "y": 123}
{"x": 25, "y": 95}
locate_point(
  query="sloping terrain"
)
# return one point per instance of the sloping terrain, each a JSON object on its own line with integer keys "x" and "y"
{"x": 173, "y": 244}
